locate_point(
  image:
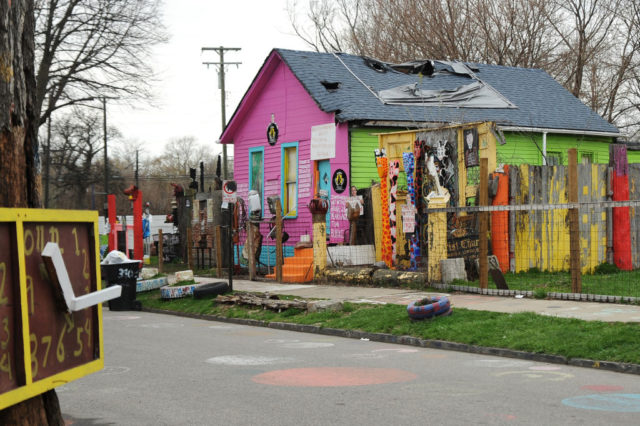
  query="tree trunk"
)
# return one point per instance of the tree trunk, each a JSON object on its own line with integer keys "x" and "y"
{"x": 18, "y": 119}
{"x": 19, "y": 158}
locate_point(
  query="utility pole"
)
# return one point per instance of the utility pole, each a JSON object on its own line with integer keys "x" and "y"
{"x": 220, "y": 50}
{"x": 106, "y": 158}
{"x": 137, "y": 183}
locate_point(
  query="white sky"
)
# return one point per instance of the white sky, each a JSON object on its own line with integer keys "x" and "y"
{"x": 187, "y": 95}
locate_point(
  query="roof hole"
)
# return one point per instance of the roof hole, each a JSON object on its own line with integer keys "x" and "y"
{"x": 331, "y": 86}
{"x": 375, "y": 64}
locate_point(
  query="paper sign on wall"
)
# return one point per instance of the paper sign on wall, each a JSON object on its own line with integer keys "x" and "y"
{"x": 323, "y": 141}
{"x": 408, "y": 219}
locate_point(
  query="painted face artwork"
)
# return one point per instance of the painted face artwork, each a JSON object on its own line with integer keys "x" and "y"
{"x": 469, "y": 140}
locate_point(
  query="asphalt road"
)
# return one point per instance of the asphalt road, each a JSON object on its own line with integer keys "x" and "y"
{"x": 168, "y": 370}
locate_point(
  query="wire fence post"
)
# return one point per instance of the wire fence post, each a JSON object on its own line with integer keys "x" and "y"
{"x": 483, "y": 216}
{"x": 574, "y": 224}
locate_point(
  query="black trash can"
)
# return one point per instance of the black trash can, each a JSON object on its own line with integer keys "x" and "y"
{"x": 126, "y": 275}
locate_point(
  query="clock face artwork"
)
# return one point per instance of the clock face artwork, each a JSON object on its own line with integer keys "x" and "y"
{"x": 59, "y": 342}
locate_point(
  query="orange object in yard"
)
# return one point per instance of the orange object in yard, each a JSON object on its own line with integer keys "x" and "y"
{"x": 500, "y": 221}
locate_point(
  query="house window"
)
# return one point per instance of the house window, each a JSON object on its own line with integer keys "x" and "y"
{"x": 256, "y": 172}
{"x": 290, "y": 179}
{"x": 554, "y": 158}
{"x": 586, "y": 157}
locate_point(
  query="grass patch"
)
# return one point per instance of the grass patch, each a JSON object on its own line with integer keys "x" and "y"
{"x": 530, "y": 332}
{"x": 183, "y": 282}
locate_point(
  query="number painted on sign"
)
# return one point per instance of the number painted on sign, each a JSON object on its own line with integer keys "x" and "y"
{"x": 5, "y": 365}
{"x": 78, "y": 351}
{"x": 46, "y": 340}
{"x": 87, "y": 329}
{"x": 5, "y": 325}
{"x": 60, "y": 346}
{"x": 74, "y": 231}
{"x": 39, "y": 238}
{"x": 54, "y": 236}
{"x": 30, "y": 295}
{"x": 34, "y": 350}
{"x": 85, "y": 267}
{"x": 4, "y": 300}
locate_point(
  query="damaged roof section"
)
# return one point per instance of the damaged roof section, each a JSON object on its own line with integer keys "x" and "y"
{"x": 471, "y": 91}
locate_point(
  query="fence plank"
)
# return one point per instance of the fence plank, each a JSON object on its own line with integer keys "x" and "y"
{"x": 634, "y": 194}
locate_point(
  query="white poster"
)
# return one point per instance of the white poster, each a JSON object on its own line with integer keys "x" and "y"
{"x": 323, "y": 141}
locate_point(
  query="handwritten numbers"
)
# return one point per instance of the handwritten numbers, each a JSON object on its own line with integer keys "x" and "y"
{"x": 60, "y": 346}
{"x": 75, "y": 236}
{"x": 5, "y": 365}
{"x": 46, "y": 340}
{"x": 30, "y": 295}
{"x": 85, "y": 267}
{"x": 34, "y": 350}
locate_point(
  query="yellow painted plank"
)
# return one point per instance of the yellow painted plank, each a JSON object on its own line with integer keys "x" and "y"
{"x": 377, "y": 220}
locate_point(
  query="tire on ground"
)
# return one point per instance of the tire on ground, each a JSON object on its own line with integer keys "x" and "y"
{"x": 210, "y": 290}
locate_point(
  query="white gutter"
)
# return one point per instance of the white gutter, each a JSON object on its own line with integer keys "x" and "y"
{"x": 544, "y": 148}
{"x": 559, "y": 131}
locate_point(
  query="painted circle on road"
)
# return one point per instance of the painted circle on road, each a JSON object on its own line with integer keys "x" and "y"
{"x": 307, "y": 345}
{"x": 619, "y": 402}
{"x": 333, "y": 377}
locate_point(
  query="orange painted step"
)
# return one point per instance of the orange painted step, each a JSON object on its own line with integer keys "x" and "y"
{"x": 297, "y": 268}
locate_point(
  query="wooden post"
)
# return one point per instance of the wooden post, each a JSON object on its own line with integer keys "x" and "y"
{"x": 160, "y": 251}
{"x": 189, "y": 249}
{"x": 483, "y": 193}
{"x": 319, "y": 244}
{"x": 574, "y": 224}
{"x": 437, "y": 235}
{"x": 279, "y": 257}
{"x": 252, "y": 255}
{"x": 218, "y": 251}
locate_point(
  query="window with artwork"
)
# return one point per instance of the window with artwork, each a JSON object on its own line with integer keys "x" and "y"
{"x": 290, "y": 179}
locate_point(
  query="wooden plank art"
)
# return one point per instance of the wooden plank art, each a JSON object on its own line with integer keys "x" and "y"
{"x": 621, "y": 220}
{"x": 634, "y": 194}
{"x": 42, "y": 345}
{"x": 385, "y": 246}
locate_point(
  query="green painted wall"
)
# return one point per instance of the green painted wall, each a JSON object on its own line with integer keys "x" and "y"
{"x": 525, "y": 148}
{"x": 363, "y": 159}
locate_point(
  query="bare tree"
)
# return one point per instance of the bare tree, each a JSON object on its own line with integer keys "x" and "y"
{"x": 91, "y": 48}
{"x": 76, "y": 168}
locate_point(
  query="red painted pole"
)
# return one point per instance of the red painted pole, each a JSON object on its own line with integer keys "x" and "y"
{"x": 113, "y": 232}
{"x": 138, "y": 253}
{"x": 621, "y": 219}
{"x": 500, "y": 221}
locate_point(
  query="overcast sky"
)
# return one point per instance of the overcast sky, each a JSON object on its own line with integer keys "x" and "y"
{"x": 187, "y": 94}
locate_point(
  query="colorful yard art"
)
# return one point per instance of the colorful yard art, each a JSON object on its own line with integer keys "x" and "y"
{"x": 382, "y": 164}
{"x": 414, "y": 246}
{"x": 394, "y": 170}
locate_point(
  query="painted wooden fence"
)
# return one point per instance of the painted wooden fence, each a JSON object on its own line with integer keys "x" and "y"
{"x": 540, "y": 238}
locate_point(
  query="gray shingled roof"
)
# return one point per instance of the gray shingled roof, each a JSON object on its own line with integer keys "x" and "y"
{"x": 540, "y": 101}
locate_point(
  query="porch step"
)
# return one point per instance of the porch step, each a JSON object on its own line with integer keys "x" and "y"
{"x": 297, "y": 268}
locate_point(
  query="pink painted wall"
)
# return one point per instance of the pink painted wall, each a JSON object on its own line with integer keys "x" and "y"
{"x": 277, "y": 91}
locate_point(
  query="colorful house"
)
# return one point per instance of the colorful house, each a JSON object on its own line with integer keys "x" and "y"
{"x": 308, "y": 123}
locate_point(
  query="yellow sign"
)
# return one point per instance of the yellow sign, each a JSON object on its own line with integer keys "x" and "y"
{"x": 42, "y": 343}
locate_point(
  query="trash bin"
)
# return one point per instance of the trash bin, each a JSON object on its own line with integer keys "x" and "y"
{"x": 124, "y": 274}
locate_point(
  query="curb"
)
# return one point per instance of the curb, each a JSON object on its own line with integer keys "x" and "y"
{"x": 583, "y": 297}
{"x": 617, "y": 367}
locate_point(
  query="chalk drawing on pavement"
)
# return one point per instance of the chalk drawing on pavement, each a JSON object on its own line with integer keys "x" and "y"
{"x": 247, "y": 360}
{"x": 619, "y": 402}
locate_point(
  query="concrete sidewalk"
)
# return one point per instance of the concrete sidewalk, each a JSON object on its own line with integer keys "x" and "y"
{"x": 589, "y": 311}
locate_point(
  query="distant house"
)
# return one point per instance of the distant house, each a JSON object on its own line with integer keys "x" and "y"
{"x": 308, "y": 122}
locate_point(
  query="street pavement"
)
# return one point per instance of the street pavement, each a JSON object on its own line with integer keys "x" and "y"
{"x": 171, "y": 370}
{"x": 590, "y": 311}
